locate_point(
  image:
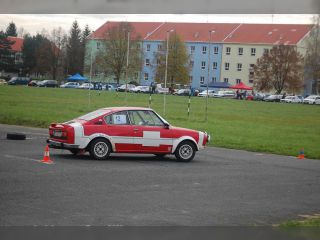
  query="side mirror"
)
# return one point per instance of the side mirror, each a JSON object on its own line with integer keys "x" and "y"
{"x": 166, "y": 125}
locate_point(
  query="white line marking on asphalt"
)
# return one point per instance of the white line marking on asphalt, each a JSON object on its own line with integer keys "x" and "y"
{"x": 22, "y": 158}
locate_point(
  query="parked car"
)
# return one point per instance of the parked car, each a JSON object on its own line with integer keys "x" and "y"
{"x": 19, "y": 81}
{"x": 224, "y": 94}
{"x": 3, "y": 82}
{"x": 108, "y": 87}
{"x": 125, "y": 87}
{"x": 183, "y": 92}
{"x": 291, "y": 99}
{"x": 311, "y": 99}
{"x": 317, "y": 101}
{"x": 86, "y": 86}
{"x": 126, "y": 130}
{"x": 273, "y": 98}
{"x": 70, "y": 85}
{"x": 33, "y": 83}
{"x": 260, "y": 96}
{"x": 204, "y": 93}
{"x": 142, "y": 89}
{"x": 48, "y": 83}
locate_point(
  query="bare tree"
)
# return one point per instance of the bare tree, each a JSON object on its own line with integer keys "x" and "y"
{"x": 113, "y": 53}
{"x": 281, "y": 68}
{"x": 313, "y": 55}
{"x": 178, "y": 61}
{"x": 59, "y": 47}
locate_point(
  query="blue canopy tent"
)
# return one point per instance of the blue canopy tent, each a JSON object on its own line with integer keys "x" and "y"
{"x": 76, "y": 77}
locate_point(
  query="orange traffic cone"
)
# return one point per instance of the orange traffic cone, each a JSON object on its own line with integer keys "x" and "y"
{"x": 301, "y": 154}
{"x": 46, "y": 157}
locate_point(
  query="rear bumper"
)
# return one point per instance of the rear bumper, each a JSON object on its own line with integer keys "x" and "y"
{"x": 61, "y": 145}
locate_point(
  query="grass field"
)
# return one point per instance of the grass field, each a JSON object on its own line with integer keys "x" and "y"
{"x": 256, "y": 126}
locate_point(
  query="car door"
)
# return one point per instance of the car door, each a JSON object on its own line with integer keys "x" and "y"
{"x": 119, "y": 128}
{"x": 151, "y": 135}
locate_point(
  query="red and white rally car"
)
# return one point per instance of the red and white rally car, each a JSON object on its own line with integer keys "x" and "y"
{"x": 126, "y": 130}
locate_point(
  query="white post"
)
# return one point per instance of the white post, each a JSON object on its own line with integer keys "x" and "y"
{"x": 166, "y": 73}
{"x": 127, "y": 65}
{"x": 90, "y": 77}
{"x": 207, "y": 95}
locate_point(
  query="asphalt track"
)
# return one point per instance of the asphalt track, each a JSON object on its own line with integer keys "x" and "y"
{"x": 221, "y": 187}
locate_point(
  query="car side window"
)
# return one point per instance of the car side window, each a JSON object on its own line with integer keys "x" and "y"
{"x": 145, "y": 118}
{"x": 118, "y": 118}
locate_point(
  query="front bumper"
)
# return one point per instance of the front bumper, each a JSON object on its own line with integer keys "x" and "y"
{"x": 61, "y": 145}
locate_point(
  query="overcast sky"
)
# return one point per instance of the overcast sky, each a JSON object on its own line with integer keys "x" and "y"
{"x": 33, "y": 23}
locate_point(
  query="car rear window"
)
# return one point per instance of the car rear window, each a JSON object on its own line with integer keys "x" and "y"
{"x": 94, "y": 114}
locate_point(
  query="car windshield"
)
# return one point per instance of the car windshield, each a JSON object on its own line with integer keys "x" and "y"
{"x": 94, "y": 114}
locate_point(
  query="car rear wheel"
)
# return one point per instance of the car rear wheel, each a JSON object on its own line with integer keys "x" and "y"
{"x": 100, "y": 149}
{"x": 185, "y": 151}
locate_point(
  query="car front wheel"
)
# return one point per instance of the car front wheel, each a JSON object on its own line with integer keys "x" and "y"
{"x": 185, "y": 151}
{"x": 100, "y": 149}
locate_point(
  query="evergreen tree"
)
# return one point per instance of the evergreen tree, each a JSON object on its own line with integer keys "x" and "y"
{"x": 6, "y": 61}
{"x": 74, "y": 50}
{"x": 11, "y": 30}
{"x": 86, "y": 32}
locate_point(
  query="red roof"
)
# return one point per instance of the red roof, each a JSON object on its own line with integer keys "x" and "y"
{"x": 141, "y": 28}
{"x": 221, "y": 32}
{"x": 289, "y": 34}
{"x": 17, "y": 45}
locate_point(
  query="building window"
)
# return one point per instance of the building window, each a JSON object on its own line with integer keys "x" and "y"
{"x": 253, "y": 51}
{"x": 239, "y": 66}
{"x": 251, "y": 69}
{"x": 204, "y": 49}
{"x": 203, "y": 65}
{"x": 226, "y": 80}
{"x": 192, "y": 49}
{"x": 215, "y": 50}
{"x": 138, "y": 46}
{"x": 147, "y": 62}
{"x": 214, "y": 79}
{"x": 98, "y": 45}
{"x": 265, "y": 51}
{"x": 238, "y": 81}
{"x": 214, "y": 65}
{"x": 240, "y": 51}
{"x": 190, "y": 79}
{"x": 146, "y": 76}
{"x": 226, "y": 66}
{"x": 201, "y": 80}
{"x": 191, "y": 63}
{"x": 250, "y": 81}
{"x": 148, "y": 47}
{"x": 228, "y": 50}
{"x": 159, "y": 47}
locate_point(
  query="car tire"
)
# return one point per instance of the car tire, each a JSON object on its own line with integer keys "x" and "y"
{"x": 16, "y": 136}
{"x": 185, "y": 151}
{"x": 100, "y": 149}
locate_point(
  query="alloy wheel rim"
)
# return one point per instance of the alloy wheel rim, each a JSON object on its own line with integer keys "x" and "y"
{"x": 186, "y": 151}
{"x": 101, "y": 149}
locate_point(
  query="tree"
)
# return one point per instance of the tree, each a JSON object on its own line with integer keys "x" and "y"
{"x": 11, "y": 30}
{"x": 313, "y": 55}
{"x": 178, "y": 61}
{"x": 112, "y": 58}
{"x": 74, "y": 50}
{"x": 86, "y": 32}
{"x": 6, "y": 61}
{"x": 281, "y": 68}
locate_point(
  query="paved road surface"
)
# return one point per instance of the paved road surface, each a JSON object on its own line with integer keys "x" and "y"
{"x": 220, "y": 187}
